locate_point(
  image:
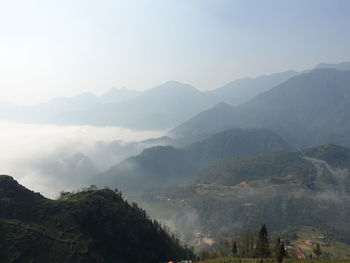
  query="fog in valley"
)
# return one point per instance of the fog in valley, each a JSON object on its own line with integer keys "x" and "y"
{"x": 50, "y": 158}
{"x": 182, "y": 131}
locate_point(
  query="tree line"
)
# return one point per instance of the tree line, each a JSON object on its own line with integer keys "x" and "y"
{"x": 249, "y": 244}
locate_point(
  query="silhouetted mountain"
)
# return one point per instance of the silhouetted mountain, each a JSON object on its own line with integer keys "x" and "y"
{"x": 164, "y": 106}
{"x": 89, "y": 226}
{"x": 161, "y": 107}
{"x": 43, "y": 112}
{"x": 308, "y": 109}
{"x": 166, "y": 165}
{"x": 242, "y": 90}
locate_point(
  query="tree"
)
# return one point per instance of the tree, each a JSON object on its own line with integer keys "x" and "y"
{"x": 262, "y": 246}
{"x": 234, "y": 249}
{"x": 277, "y": 247}
{"x": 318, "y": 250}
{"x": 280, "y": 250}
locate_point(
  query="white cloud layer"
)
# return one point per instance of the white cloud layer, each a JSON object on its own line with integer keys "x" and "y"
{"x": 49, "y": 158}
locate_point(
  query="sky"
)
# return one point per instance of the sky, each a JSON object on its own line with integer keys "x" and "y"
{"x": 62, "y": 48}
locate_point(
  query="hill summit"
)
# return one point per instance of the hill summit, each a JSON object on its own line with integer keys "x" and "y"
{"x": 88, "y": 226}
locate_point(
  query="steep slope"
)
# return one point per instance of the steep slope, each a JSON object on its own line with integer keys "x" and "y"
{"x": 160, "y": 165}
{"x": 219, "y": 118}
{"x": 303, "y": 105}
{"x": 242, "y": 90}
{"x": 308, "y": 109}
{"x": 237, "y": 143}
{"x": 89, "y": 226}
{"x": 166, "y": 165}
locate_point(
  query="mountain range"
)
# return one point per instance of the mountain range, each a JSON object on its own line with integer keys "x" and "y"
{"x": 309, "y": 109}
{"x": 162, "y": 107}
{"x": 267, "y": 149}
{"x": 44, "y": 112}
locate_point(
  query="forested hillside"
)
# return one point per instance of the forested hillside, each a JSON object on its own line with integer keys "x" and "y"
{"x": 88, "y": 226}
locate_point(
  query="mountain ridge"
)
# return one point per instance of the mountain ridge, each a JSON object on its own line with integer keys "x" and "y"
{"x": 167, "y": 165}
{"x": 305, "y": 110}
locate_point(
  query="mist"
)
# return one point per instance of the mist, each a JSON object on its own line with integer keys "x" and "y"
{"x": 50, "y": 158}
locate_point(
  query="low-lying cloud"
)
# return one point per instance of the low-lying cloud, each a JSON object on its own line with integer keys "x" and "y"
{"x": 50, "y": 158}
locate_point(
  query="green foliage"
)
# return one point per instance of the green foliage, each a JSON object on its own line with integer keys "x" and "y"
{"x": 234, "y": 248}
{"x": 262, "y": 248}
{"x": 88, "y": 226}
{"x": 280, "y": 251}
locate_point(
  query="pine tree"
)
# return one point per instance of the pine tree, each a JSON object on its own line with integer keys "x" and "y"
{"x": 234, "y": 249}
{"x": 277, "y": 247}
{"x": 317, "y": 250}
{"x": 262, "y": 246}
{"x": 280, "y": 250}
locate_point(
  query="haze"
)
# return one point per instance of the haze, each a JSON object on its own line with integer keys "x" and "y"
{"x": 63, "y": 48}
{"x": 46, "y": 158}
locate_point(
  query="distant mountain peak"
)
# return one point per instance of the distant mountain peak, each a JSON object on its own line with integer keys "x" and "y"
{"x": 172, "y": 85}
{"x": 173, "y": 90}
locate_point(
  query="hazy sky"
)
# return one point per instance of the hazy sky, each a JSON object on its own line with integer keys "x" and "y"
{"x": 50, "y": 48}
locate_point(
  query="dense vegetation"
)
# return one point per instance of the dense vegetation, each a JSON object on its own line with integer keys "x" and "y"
{"x": 288, "y": 190}
{"x": 88, "y": 226}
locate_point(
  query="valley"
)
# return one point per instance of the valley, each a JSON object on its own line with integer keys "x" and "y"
{"x": 187, "y": 131}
